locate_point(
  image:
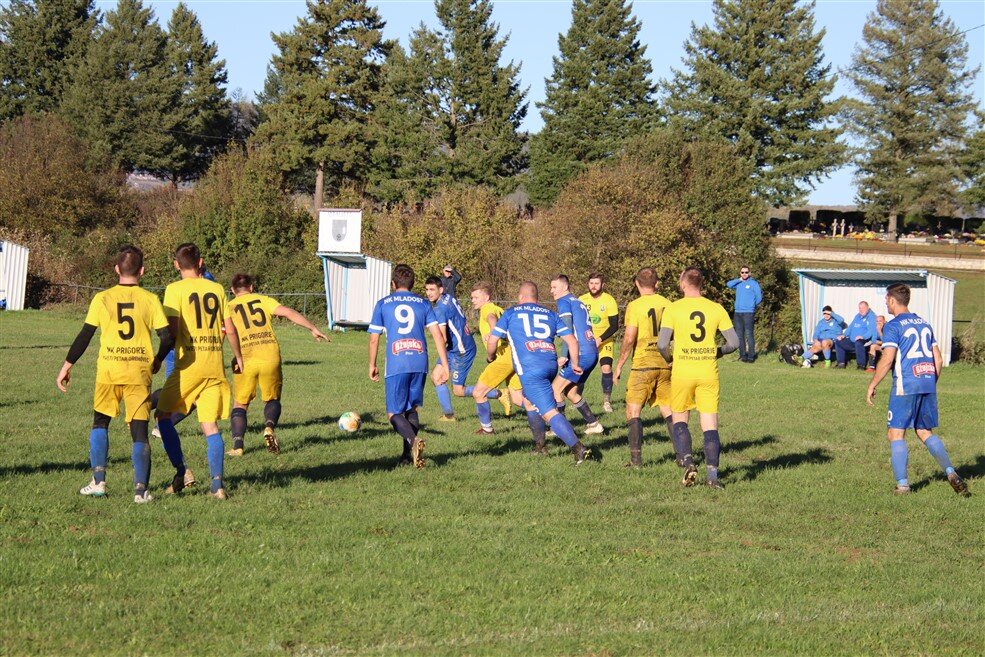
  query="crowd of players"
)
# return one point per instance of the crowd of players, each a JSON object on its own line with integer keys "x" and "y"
{"x": 672, "y": 347}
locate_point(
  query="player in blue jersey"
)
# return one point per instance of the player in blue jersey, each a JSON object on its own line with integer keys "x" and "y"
{"x": 910, "y": 350}
{"x": 530, "y": 329}
{"x": 568, "y": 383}
{"x": 404, "y": 316}
{"x": 458, "y": 342}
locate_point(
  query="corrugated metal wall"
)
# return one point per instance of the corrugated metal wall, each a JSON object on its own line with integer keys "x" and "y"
{"x": 941, "y": 312}
{"x": 810, "y": 303}
{"x": 13, "y": 274}
{"x": 355, "y": 288}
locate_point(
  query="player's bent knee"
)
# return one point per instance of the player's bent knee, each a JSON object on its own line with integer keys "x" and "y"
{"x": 100, "y": 420}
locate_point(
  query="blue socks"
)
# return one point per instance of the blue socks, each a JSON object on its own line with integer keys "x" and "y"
{"x": 215, "y": 451}
{"x": 485, "y": 414}
{"x": 827, "y": 354}
{"x": 98, "y": 452}
{"x": 492, "y": 394}
{"x": 172, "y": 445}
{"x": 898, "y": 456}
{"x": 936, "y": 448}
{"x": 564, "y": 430}
{"x": 444, "y": 399}
{"x": 141, "y": 466}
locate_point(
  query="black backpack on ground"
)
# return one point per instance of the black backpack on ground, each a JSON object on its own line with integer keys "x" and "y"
{"x": 792, "y": 354}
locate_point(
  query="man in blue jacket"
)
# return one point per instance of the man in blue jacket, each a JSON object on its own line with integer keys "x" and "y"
{"x": 748, "y": 295}
{"x": 857, "y": 337}
{"x": 828, "y": 328}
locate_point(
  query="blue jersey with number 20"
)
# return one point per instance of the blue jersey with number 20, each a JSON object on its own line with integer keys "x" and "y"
{"x": 914, "y": 372}
{"x": 530, "y": 329}
{"x": 403, "y": 316}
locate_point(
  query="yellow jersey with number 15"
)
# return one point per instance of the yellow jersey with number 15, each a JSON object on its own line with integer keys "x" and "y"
{"x": 695, "y": 321}
{"x": 251, "y": 315}
{"x": 489, "y": 308}
{"x": 645, "y": 313}
{"x": 126, "y": 316}
{"x": 201, "y": 309}
{"x": 600, "y": 309}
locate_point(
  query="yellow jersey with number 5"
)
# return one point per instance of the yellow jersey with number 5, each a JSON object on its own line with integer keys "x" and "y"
{"x": 645, "y": 313}
{"x": 201, "y": 309}
{"x": 251, "y": 315}
{"x": 126, "y": 316}
{"x": 695, "y": 321}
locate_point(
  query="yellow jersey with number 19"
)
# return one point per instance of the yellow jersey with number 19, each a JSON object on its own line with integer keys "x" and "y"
{"x": 201, "y": 309}
{"x": 489, "y": 308}
{"x": 645, "y": 313}
{"x": 251, "y": 315}
{"x": 695, "y": 321}
{"x": 125, "y": 315}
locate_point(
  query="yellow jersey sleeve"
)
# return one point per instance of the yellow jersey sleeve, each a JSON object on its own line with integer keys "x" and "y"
{"x": 127, "y": 317}
{"x": 201, "y": 309}
{"x": 252, "y": 315}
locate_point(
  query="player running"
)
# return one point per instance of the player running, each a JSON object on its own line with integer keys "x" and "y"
{"x": 692, "y": 322}
{"x": 197, "y": 314}
{"x": 910, "y": 349}
{"x": 569, "y": 383}
{"x": 403, "y": 316}
{"x": 604, "y": 315}
{"x": 126, "y": 316}
{"x": 499, "y": 370}
{"x": 649, "y": 378}
{"x": 458, "y": 341}
{"x": 251, "y": 314}
{"x": 530, "y": 329}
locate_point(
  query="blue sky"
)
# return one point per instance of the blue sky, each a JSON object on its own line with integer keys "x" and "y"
{"x": 242, "y": 28}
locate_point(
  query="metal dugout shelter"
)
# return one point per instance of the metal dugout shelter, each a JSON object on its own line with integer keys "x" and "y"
{"x": 932, "y": 297}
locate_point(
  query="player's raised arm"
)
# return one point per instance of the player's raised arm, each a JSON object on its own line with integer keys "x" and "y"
{"x": 302, "y": 321}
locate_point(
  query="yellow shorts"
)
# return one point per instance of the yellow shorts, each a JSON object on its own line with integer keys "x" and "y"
{"x": 265, "y": 374}
{"x": 701, "y": 394}
{"x": 106, "y": 399}
{"x": 498, "y": 371}
{"x": 607, "y": 349}
{"x": 648, "y": 386}
{"x": 211, "y": 396}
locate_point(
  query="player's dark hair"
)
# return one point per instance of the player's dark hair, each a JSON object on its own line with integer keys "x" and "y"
{"x": 900, "y": 292}
{"x": 187, "y": 255}
{"x": 402, "y": 277}
{"x": 242, "y": 282}
{"x": 130, "y": 260}
{"x": 485, "y": 286}
{"x": 827, "y": 309}
{"x": 563, "y": 278}
{"x": 595, "y": 275}
{"x": 647, "y": 277}
{"x": 693, "y": 277}
{"x": 434, "y": 280}
{"x": 531, "y": 289}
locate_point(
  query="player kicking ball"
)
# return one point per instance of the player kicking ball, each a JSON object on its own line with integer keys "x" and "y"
{"x": 126, "y": 316}
{"x": 693, "y": 322}
{"x": 404, "y": 316}
{"x": 251, "y": 314}
{"x": 459, "y": 344}
{"x": 910, "y": 350}
{"x": 499, "y": 370}
{"x": 530, "y": 328}
{"x": 569, "y": 383}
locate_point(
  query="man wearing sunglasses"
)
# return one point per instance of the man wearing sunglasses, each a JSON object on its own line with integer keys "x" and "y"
{"x": 748, "y": 296}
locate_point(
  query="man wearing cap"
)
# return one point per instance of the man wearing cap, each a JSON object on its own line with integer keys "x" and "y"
{"x": 449, "y": 279}
{"x": 828, "y": 329}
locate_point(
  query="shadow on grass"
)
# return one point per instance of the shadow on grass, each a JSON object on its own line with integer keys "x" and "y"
{"x": 36, "y": 346}
{"x": 782, "y": 462}
{"x": 8, "y": 404}
{"x": 967, "y": 471}
{"x": 293, "y": 363}
{"x": 27, "y": 469}
{"x": 740, "y": 445}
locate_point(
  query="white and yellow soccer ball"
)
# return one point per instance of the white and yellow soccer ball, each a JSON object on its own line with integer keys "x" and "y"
{"x": 350, "y": 422}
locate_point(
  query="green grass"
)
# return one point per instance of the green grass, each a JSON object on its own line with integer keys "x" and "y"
{"x": 328, "y": 550}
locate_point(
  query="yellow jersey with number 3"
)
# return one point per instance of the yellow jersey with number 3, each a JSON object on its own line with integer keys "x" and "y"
{"x": 645, "y": 313}
{"x": 201, "y": 309}
{"x": 126, "y": 316}
{"x": 251, "y": 315}
{"x": 600, "y": 309}
{"x": 489, "y": 308}
{"x": 695, "y": 321}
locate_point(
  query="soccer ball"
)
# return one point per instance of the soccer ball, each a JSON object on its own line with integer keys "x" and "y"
{"x": 350, "y": 422}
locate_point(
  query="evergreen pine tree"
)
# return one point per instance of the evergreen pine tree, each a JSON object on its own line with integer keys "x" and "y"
{"x": 125, "y": 98}
{"x": 912, "y": 116}
{"x": 206, "y": 111}
{"x": 598, "y": 95}
{"x": 40, "y": 41}
{"x": 757, "y": 78}
{"x": 328, "y": 76}
{"x": 972, "y": 161}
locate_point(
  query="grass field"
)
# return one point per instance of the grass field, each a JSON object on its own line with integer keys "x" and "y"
{"x": 327, "y": 549}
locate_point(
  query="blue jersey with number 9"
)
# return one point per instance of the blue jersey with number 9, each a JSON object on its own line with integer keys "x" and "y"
{"x": 914, "y": 372}
{"x": 530, "y": 329}
{"x": 404, "y": 316}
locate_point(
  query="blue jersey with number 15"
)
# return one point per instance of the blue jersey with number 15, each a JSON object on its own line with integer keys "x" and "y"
{"x": 530, "y": 329}
{"x": 403, "y": 316}
{"x": 914, "y": 372}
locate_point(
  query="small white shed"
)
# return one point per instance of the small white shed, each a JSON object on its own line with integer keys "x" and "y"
{"x": 932, "y": 297}
{"x": 13, "y": 275}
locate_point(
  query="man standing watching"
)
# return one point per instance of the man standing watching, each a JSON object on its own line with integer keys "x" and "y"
{"x": 604, "y": 315}
{"x": 449, "y": 279}
{"x": 748, "y": 295}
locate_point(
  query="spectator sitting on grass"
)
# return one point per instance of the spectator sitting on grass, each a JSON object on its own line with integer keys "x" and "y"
{"x": 828, "y": 328}
{"x": 858, "y": 336}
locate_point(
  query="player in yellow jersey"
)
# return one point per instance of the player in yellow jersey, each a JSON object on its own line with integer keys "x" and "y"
{"x": 649, "y": 378}
{"x": 197, "y": 314}
{"x": 693, "y": 322}
{"x": 251, "y": 314}
{"x": 499, "y": 370}
{"x": 603, "y": 312}
{"x": 126, "y": 316}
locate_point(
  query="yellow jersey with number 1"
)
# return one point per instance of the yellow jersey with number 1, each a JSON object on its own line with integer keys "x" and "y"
{"x": 251, "y": 315}
{"x": 126, "y": 316}
{"x": 695, "y": 321}
{"x": 201, "y": 309}
{"x": 600, "y": 309}
{"x": 646, "y": 313}
{"x": 489, "y": 308}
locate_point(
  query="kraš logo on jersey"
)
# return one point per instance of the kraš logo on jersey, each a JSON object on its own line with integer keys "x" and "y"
{"x": 539, "y": 345}
{"x": 924, "y": 369}
{"x": 407, "y": 344}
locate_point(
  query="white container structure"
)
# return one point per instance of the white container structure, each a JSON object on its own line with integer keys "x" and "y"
{"x": 13, "y": 275}
{"x": 932, "y": 297}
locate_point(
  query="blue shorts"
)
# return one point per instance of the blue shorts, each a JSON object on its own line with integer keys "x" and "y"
{"x": 913, "y": 411}
{"x": 588, "y": 361}
{"x": 460, "y": 366}
{"x": 405, "y": 392}
{"x": 538, "y": 391}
